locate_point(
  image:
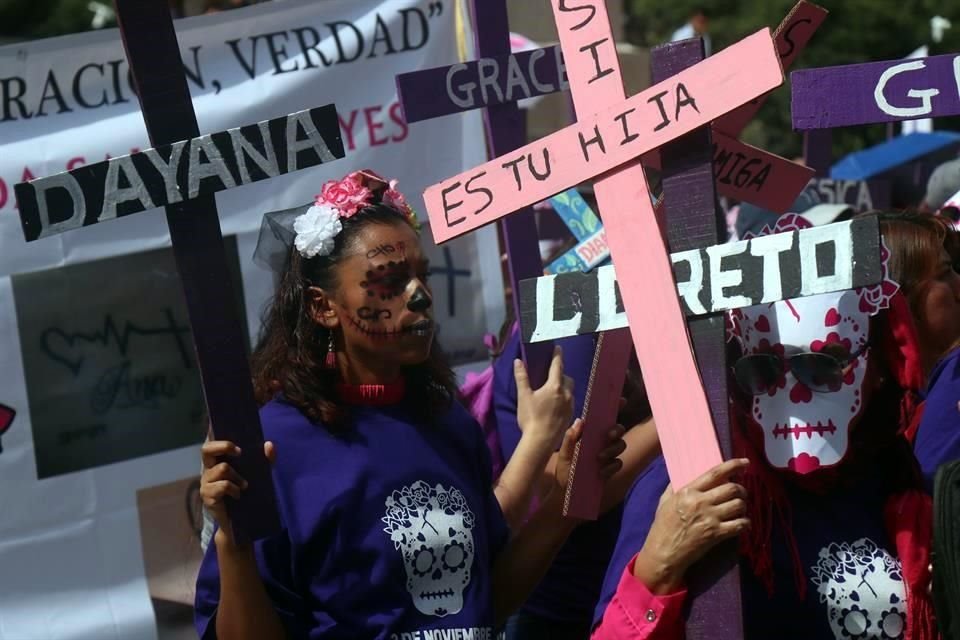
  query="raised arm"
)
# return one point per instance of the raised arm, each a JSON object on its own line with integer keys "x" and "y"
{"x": 529, "y": 554}
{"x": 542, "y": 416}
{"x": 643, "y": 446}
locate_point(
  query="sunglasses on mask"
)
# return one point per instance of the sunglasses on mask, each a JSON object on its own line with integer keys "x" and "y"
{"x": 758, "y": 373}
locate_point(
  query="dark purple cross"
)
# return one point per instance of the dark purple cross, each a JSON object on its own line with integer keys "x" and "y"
{"x": 152, "y": 50}
{"x": 425, "y": 94}
{"x": 695, "y": 221}
{"x": 889, "y": 91}
{"x": 159, "y": 177}
{"x": 869, "y": 93}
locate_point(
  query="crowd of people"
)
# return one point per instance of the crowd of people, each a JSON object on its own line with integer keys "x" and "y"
{"x": 407, "y": 515}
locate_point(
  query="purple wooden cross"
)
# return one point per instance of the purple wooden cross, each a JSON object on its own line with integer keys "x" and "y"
{"x": 694, "y": 222}
{"x": 818, "y": 151}
{"x": 499, "y": 77}
{"x": 483, "y": 83}
{"x": 874, "y": 92}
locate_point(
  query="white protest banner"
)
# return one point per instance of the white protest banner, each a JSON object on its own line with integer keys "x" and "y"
{"x": 101, "y": 410}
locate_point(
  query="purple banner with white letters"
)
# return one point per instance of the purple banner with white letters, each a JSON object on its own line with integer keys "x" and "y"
{"x": 485, "y": 82}
{"x": 888, "y": 91}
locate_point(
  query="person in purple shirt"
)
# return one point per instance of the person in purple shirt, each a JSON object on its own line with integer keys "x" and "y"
{"x": 392, "y": 526}
{"x": 562, "y": 605}
{"x": 834, "y": 527}
{"x": 924, "y": 259}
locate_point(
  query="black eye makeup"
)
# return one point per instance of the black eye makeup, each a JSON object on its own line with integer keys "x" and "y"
{"x": 386, "y": 281}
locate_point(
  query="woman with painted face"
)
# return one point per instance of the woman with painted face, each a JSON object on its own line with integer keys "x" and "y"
{"x": 391, "y": 525}
{"x": 924, "y": 257}
{"x": 834, "y": 526}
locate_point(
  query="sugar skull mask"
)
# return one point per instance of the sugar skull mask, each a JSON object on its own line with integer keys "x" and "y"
{"x": 804, "y": 416}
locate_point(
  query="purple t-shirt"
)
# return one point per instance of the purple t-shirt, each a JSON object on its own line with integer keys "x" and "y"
{"x": 569, "y": 590}
{"x": 938, "y": 438}
{"x": 390, "y": 528}
{"x": 854, "y": 585}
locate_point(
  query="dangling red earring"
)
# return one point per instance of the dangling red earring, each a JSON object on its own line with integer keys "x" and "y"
{"x": 331, "y": 361}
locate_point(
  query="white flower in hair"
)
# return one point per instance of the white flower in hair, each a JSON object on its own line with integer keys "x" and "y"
{"x": 316, "y": 230}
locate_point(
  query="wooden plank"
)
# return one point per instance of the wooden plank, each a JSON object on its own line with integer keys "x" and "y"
{"x": 619, "y": 132}
{"x": 633, "y": 232}
{"x": 818, "y": 151}
{"x": 749, "y": 174}
{"x": 694, "y": 221}
{"x": 791, "y": 38}
{"x": 506, "y": 131}
{"x": 888, "y": 91}
{"x": 486, "y": 82}
{"x": 584, "y": 490}
{"x": 154, "y": 56}
{"x": 746, "y": 173}
{"x": 763, "y": 270}
{"x": 172, "y": 173}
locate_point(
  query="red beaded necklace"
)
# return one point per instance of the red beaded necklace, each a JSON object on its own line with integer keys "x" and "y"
{"x": 376, "y": 395}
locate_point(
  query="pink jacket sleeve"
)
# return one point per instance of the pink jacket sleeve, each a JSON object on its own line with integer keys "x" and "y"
{"x": 636, "y": 614}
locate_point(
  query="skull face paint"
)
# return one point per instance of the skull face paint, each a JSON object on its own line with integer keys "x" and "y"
{"x": 804, "y": 430}
{"x": 432, "y": 528}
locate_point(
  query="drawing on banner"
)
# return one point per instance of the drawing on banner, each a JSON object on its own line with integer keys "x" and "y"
{"x": 459, "y": 312}
{"x": 451, "y": 273}
{"x": 181, "y": 171}
{"x": 171, "y": 521}
{"x": 835, "y": 257}
{"x": 7, "y": 414}
{"x": 109, "y": 363}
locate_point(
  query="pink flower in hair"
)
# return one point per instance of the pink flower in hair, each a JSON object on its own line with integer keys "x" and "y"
{"x": 393, "y": 198}
{"x": 347, "y": 196}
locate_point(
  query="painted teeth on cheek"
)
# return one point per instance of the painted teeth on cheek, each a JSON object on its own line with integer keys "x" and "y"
{"x": 372, "y": 333}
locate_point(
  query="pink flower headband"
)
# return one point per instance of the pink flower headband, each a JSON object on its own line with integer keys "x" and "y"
{"x": 317, "y": 228}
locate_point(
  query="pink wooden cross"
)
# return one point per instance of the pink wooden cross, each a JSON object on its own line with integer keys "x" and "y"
{"x": 612, "y": 132}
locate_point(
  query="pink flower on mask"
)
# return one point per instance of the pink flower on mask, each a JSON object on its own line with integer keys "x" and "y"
{"x": 876, "y": 298}
{"x": 347, "y": 196}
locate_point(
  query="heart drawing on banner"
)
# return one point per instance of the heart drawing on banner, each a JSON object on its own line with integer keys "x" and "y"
{"x": 61, "y": 346}
{"x": 58, "y": 345}
{"x": 7, "y": 414}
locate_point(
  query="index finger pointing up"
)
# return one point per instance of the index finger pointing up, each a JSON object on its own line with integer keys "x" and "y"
{"x": 556, "y": 366}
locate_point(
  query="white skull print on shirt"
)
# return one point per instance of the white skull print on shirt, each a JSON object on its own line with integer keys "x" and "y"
{"x": 432, "y": 528}
{"x": 862, "y": 586}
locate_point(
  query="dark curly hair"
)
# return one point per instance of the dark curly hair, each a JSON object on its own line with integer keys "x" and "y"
{"x": 290, "y": 353}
